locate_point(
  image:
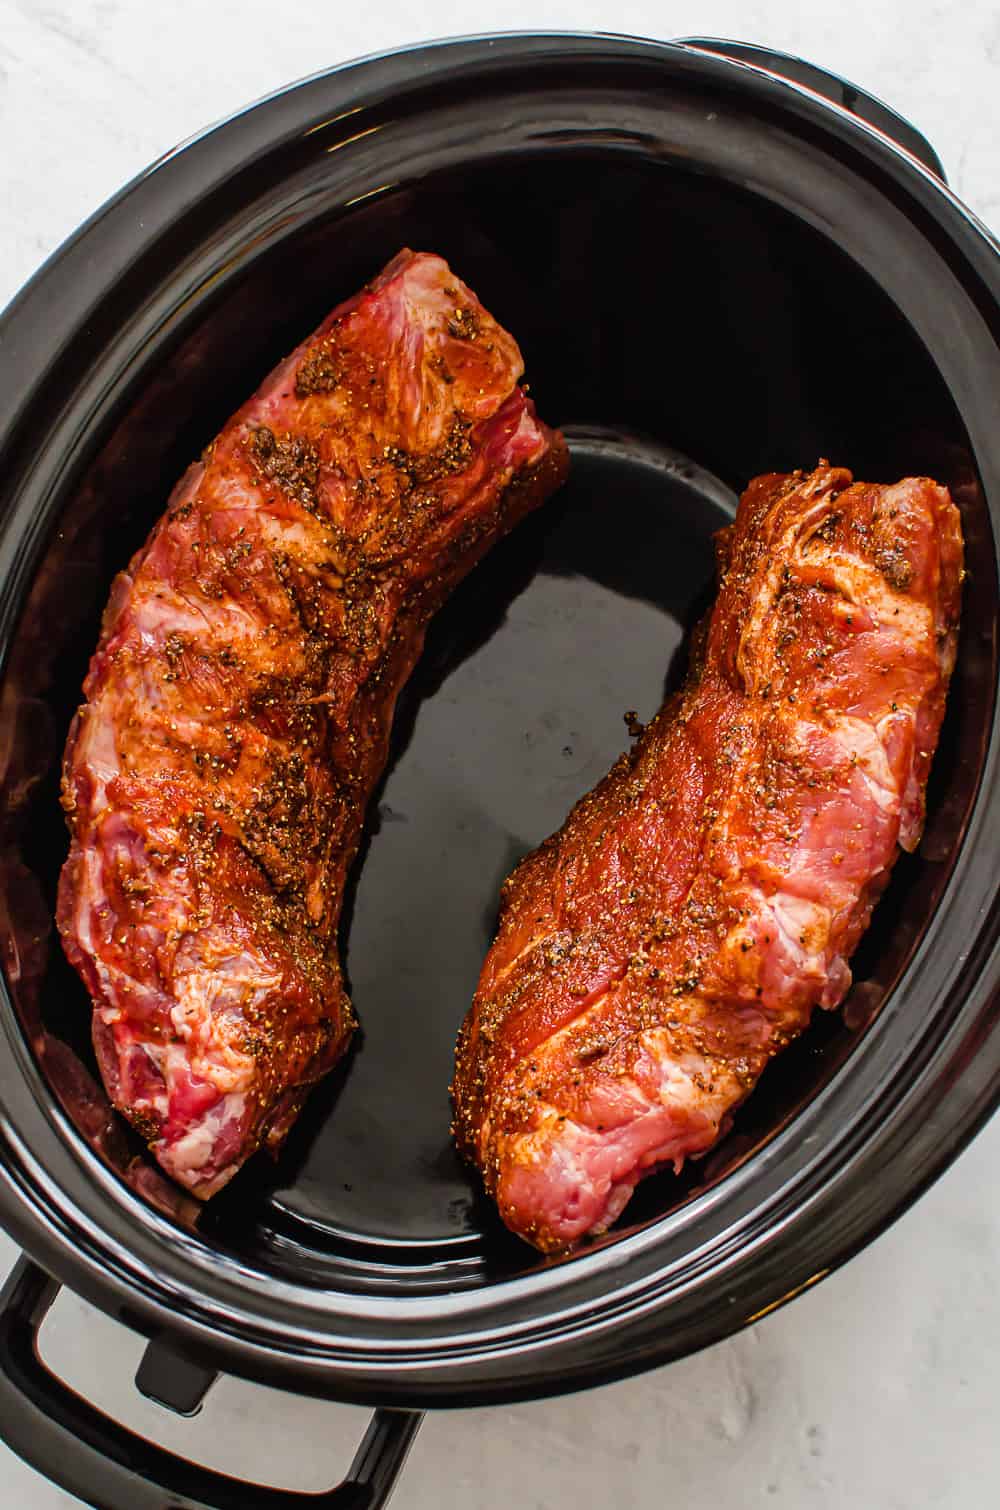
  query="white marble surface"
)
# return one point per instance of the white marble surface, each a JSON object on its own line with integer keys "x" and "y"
{"x": 877, "y": 1390}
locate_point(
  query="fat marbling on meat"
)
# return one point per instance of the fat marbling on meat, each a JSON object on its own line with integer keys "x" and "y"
{"x": 679, "y": 930}
{"x": 239, "y": 703}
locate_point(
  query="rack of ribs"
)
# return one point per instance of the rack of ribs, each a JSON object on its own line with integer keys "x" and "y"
{"x": 696, "y": 907}
{"x": 239, "y": 703}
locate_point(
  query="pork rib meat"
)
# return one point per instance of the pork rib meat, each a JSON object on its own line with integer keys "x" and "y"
{"x": 700, "y": 903}
{"x": 239, "y": 703}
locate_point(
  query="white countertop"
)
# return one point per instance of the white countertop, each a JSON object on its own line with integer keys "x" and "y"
{"x": 878, "y": 1389}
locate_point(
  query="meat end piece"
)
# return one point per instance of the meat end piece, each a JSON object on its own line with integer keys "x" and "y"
{"x": 239, "y": 703}
{"x": 695, "y": 908}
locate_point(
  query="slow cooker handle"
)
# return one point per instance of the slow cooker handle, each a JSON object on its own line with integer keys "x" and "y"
{"x": 834, "y": 88}
{"x": 85, "y": 1452}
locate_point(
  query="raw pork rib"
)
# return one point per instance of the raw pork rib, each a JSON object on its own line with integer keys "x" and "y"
{"x": 239, "y": 704}
{"x": 679, "y": 930}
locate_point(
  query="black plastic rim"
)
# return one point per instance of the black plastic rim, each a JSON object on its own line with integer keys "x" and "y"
{"x": 820, "y": 1189}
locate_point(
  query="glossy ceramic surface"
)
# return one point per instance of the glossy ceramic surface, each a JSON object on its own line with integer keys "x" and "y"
{"x": 697, "y": 258}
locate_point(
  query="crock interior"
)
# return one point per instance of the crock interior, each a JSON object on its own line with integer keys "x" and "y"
{"x": 648, "y": 299}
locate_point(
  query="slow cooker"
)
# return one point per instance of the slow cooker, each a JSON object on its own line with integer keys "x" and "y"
{"x": 718, "y": 261}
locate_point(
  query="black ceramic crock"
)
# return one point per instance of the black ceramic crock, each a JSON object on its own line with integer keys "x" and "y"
{"x": 708, "y": 252}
